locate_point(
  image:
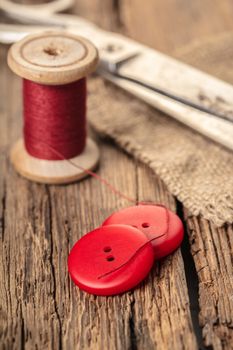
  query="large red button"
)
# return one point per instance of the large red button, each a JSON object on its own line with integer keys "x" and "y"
{"x": 110, "y": 260}
{"x": 153, "y": 221}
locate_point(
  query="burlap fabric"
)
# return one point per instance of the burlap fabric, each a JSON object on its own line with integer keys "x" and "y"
{"x": 197, "y": 171}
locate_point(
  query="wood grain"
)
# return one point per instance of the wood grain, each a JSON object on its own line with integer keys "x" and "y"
{"x": 212, "y": 249}
{"x": 40, "y": 306}
{"x": 167, "y": 28}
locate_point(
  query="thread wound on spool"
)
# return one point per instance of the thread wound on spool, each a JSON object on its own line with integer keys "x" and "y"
{"x": 54, "y": 66}
{"x": 54, "y": 118}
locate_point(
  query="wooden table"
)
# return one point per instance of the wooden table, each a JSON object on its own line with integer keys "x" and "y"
{"x": 187, "y": 301}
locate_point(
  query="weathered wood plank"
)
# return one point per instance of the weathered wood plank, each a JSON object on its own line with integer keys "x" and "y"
{"x": 27, "y": 286}
{"x": 157, "y": 313}
{"x": 45, "y": 309}
{"x": 211, "y": 248}
{"x": 41, "y": 223}
{"x": 162, "y": 316}
{"x": 212, "y": 251}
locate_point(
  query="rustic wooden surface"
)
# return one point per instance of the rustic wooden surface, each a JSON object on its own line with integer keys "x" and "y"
{"x": 186, "y": 302}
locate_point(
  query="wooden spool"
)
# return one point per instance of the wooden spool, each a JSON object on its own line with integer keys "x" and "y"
{"x": 53, "y": 58}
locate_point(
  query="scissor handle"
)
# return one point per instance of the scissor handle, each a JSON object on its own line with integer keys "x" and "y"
{"x": 22, "y": 11}
{"x": 43, "y": 15}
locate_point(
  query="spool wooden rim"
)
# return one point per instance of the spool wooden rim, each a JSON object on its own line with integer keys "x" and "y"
{"x": 53, "y": 58}
{"x": 54, "y": 171}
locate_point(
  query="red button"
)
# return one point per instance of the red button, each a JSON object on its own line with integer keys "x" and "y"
{"x": 152, "y": 220}
{"x": 103, "y": 262}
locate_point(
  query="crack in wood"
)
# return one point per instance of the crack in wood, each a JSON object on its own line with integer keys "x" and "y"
{"x": 22, "y": 338}
{"x": 191, "y": 279}
{"x": 2, "y": 218}
{"x": 53, "y": 268}
{"x": 215, "y": 282}
{"x": 133, "y": 338}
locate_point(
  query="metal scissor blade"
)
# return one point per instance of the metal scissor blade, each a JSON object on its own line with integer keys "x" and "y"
{"x": 178, "y": 81}
{"x": 213, "y": 127}
{"x": 10, "y": 33}
{"x": 176, "y": 98}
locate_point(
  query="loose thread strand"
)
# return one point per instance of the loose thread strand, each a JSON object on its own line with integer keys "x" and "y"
{"x": 122, "y": 195}
{"x": 95, "y": 175}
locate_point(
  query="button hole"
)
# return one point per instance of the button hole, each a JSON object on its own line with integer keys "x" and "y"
{"x": 110, "y": 258}
{"x": 145, "y": 224}
{"x": 107, "y": 249}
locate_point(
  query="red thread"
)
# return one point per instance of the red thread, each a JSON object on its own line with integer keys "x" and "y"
{"x": 54, "y": 116}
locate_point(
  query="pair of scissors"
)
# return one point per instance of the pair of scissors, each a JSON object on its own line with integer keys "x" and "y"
{"x": 194, "y": 98}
